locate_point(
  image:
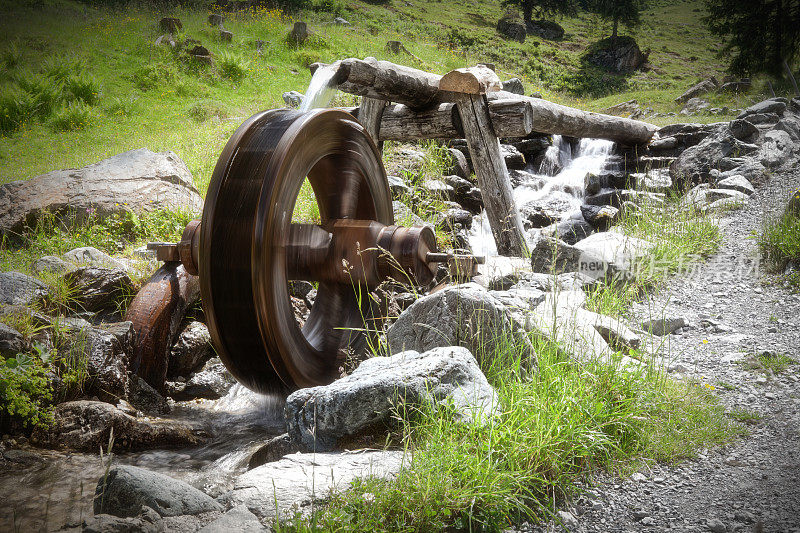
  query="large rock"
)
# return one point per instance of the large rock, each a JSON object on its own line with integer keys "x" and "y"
{"x": 18, "y": 289}
{"x": 702, "y": 197}
{"x": 543, "y": 212}
{"x": 625, "y": 56}
{"x": 549, "y": 255}
{"x": 512, "y": 28}
{"x": 138, "y": 181}
{"x": 702, "y": 87}
{"x": 212, "y": 382}
{"x": 546, "y": 29}
{"x": 282, "y": 488}
{"x": 86, "y": 426}
{"x": 105, "y": 352}
{"x": 696, "y": 162}
{"x": 126, "y": 490}
{"x": 11, "y": 341}
{"x": 776, "y": 149}
{"x": 694, "y": 106}
{"x": 461, "y": 315}
{"x": 190, "y": 351}
{"x": 382, "y": 387}
{"x": 238, "y": 519}
{"x": 570, "y": 230}
{"x": 90, "y": 256}
{"x": 618, "y": 253}
{"x": 743, "y": 130}
{"x": 737, "y": 182}
{"x": 773, "y": 105}
{"x": 98, "y": 289}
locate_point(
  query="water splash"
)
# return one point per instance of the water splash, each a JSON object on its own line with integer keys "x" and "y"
{"x": 320, "y": 93}
{"x": 566, "y": 186}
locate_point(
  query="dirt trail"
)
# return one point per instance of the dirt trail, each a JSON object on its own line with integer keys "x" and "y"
{"x": 754, "y": 483}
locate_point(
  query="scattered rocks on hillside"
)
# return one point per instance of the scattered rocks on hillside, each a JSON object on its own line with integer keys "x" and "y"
{"x": 382, "y": 387}
{"x": 126, "y": 490}
{"x": 86, "y": 425}
{"x": 18, "y": 289}
{"x": 290, "y": 485}
{"x": 191, "y": 349}
{"x": 702, "y": 87}
{"x": 546, "y": 29}
{"x": 138, "y": 181}
{"x": 624, "y": 56}
{"x": 511, "y": 28}
{"x": 170, "y": 25}
{"x": 694, "y": 106}
{"x": 461, "y": 315}
{"x": 216, "y": 19}
{"x": 299, "y": 33}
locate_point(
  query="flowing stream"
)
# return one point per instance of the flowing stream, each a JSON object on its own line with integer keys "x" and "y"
{"x": 560, "y": 177}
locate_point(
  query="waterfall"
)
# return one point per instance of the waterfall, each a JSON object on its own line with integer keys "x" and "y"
{"x": 566, "y": 186}
{"x": 319, "y": 92}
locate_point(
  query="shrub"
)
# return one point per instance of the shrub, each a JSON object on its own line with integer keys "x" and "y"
{"x": 45, "y": 94}
{"x": 25, "y": 392}
{"x": 232, "y": 66}
{"x": 81, "y": 88}
{"x": 151, "y": 75}
{"x": 74, "y": 116}
{"x": 61, "y": 67}
{"x": 16, "y": 107}
{"x": 11, "y": 57}
{"x": 203, "y": 110}
{"x": 120, "y": 106}
{"x": 780, "y": 241}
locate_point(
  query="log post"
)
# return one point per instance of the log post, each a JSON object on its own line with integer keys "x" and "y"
{"x": 369, "y": 114}
{"x": 468, "y": 88}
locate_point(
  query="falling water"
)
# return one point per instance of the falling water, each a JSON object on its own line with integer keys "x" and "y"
{"x": 566, "y": 186}
{"x": 319, "y": 92}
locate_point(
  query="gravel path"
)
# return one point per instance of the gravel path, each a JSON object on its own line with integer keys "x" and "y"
{"x": 754, "y": 483}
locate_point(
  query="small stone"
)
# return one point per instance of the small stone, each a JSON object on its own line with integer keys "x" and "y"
{"x": 568, "y": 519}
{"x": 293, "y": 98}
{"x": 648, "y": 521}
{"x": 639, "y": 514}
{"x": 716, "y": 526}
{"x": 639, "y": 477}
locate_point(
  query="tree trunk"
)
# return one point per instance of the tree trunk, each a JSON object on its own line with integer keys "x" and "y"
{"x": 614, "y": 32}
{"x": 527, "y": 12}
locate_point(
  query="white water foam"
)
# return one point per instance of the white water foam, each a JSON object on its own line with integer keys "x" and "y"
{"x": 320, "y": 93}
{"x": 567, "y": 185}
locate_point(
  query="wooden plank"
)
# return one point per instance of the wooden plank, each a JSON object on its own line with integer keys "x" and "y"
{"x": 369, "y": 114}
{"x": 490, "y": 169}
{"x": 401, "y": 123}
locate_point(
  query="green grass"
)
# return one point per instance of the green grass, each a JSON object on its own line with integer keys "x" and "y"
{"x": 681, "y": 236}
{"x": 779, "y": 240}
{"x": 769, "y": 363}
{"x": 143, "y": 95}
{"x": 555, "y": 425}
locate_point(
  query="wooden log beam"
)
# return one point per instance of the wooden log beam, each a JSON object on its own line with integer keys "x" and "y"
{"x": 556, "y": 119}
{"x": 369, "y": 114}
{"x": 420, "y": 91}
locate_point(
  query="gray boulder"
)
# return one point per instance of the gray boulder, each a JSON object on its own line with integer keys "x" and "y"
{"x": 696, "y": 162}
{"x": 743, "y": 130}
{"x": 458, "y": 164}
{"x": 773, "y": 105}
{"x": 293, "y": 98}
{"x": 702, "y": 87}
{"x": 617, "y": 253}
{"x": 404, "y": 216}
{"x": 546, "y": 29}
{"x": 238, "y": 519}
{"x": 90, "y": 256}
{"x": 511, "y": 28}
{"x": 625, "y": 56}
{"x": 737, "y": 182}
{"x": 513, "y": 157}
{"x": 694, "y": 106}
{"x": 98, "y": 289}
{"x": 126, "y": 490}
{"x": 18, "y": 289}
{"x": 282, "y": 488}
{"x": 663, "y": 326}
{"x": 601, "y": 217}
{"x": 212, "y": 382}
{"x": 791, "y": 125}
{"x": 383, "y": 387}
{"x": 570, "y": 231}
{"x": 543, "y": 212}
{"x": 86, "y": 426}
{"x": 549, "y": 255}
{"x": 776, "y": 148}
{"x": 514, "y": 85}
{"x": 460, "y": 315}
{"x": 138, "y": 181}
{"x": 397, "y": 187}
{"x": 51, "y": 264}
{"x": 105, "y": 352}
{"x": 11, "y": 341}
{"x": 191, "y": 350}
